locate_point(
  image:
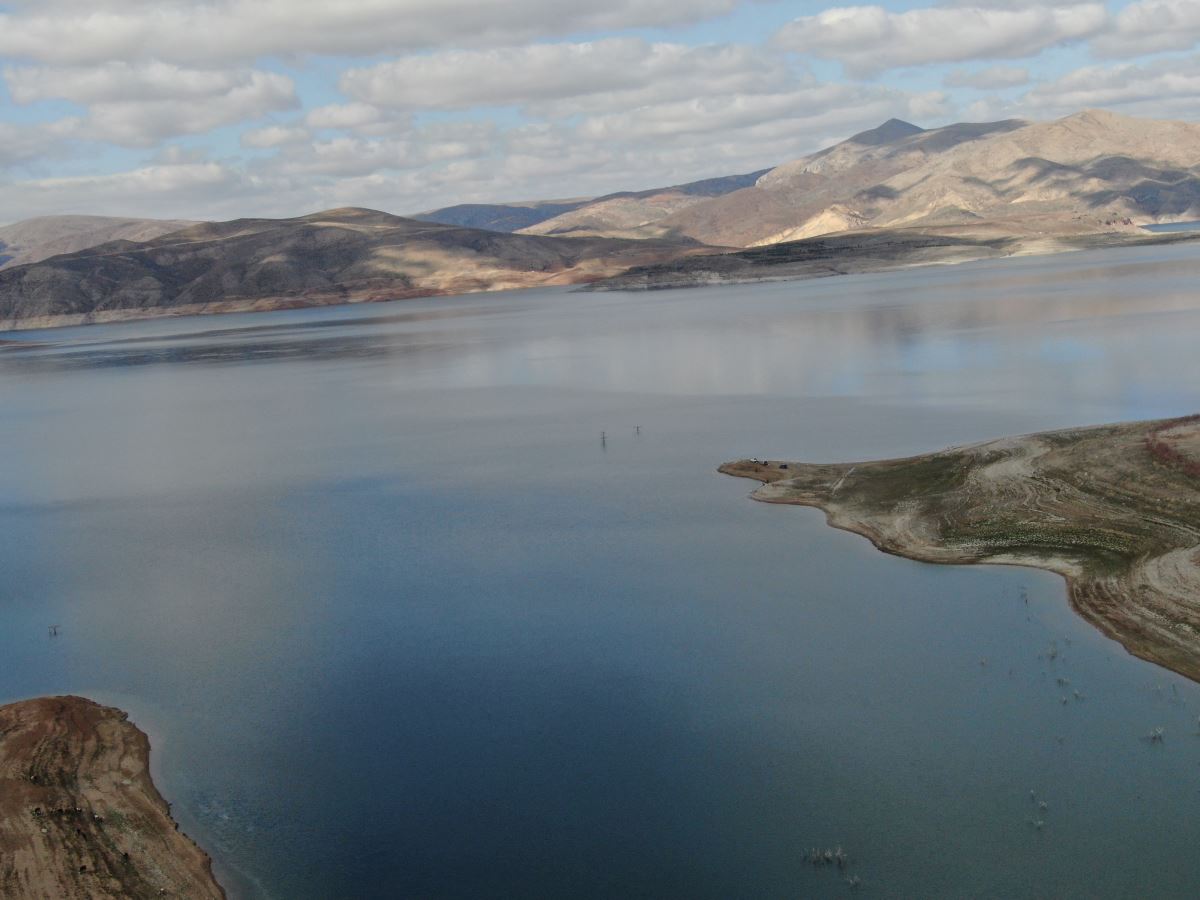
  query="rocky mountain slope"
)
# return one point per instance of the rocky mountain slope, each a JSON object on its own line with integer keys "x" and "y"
{"x": 1091, "y": 172}
{"x": 595, "y": 216}
{"x": 338, "y": 256}
{"x": 36, "y": 239}
{"x": 507, "y": 217}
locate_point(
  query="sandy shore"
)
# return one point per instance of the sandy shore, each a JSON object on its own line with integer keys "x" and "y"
{"x": 1107, "y": 508}
{"x": 79, "y": 815}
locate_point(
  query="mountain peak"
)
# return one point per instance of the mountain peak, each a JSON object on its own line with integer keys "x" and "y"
{"x": 1099, "y": 116}
{"x": 349, "y": 212}
{"x": 891, "y": 130}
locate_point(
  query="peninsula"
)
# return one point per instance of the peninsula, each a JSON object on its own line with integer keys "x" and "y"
{"x": 79, "y": 815}
{"x": 1115, "y": 509}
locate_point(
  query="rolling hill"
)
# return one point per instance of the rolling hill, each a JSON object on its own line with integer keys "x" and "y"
{"x": 595, "y": 216}
{"x": 337, "y": 256}
{"x": 36, "y": 239}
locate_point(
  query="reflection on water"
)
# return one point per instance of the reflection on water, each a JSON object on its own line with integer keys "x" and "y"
{"x": 400, "y": 625}
{"x": 1174, "y": 226}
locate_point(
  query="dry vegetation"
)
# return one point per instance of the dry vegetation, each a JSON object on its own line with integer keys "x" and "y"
{"x": 1101, "y": 506}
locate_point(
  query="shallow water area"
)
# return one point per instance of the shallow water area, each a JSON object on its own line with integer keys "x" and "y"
{"x": 1174, "y": 226}
{"x": 445, "y": 598}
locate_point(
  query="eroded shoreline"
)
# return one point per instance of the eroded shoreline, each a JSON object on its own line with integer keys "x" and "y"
{"x": 79, "y": 814}
{"x": 870, "y": 251}
{"x": 1099, "y": 506}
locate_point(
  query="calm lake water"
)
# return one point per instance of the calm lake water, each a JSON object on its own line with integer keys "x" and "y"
{"x": 401, "y": 625}
{"x": 1174, "y": 226}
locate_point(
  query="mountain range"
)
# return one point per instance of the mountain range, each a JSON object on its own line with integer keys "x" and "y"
{"x": 337, "y": 256}
{"x": 945, "y": 194}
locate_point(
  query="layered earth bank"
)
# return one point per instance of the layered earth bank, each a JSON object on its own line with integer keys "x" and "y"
{"x": 79, "y": 815}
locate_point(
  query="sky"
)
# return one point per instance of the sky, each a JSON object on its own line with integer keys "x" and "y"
{"x": 218, "y": 109}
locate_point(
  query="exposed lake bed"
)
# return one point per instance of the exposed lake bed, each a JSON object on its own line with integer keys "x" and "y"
{"x": 408, "y": 627}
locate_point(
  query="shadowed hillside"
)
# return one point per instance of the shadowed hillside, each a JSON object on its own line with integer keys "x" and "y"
{"x": 36, "y": 239}
{"x": 339, "y": 256}
{"x": 1092, "y": 172}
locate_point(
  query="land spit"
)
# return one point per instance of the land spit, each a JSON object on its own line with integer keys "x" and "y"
{"x": 79, "y": 815}
{"x": 875, "y": 250}
{"x": 1115, "y": 509}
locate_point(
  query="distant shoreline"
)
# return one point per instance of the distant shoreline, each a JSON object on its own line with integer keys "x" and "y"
{"x": 826, "y": 256}
{"x": 883, "y": 250}
{"x": 224, "y": 307}
{"x": 1104, "y": 507}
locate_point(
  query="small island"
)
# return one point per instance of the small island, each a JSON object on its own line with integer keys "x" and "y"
{"x": 1115, "y": 509}
{"x": 79, "y": 815}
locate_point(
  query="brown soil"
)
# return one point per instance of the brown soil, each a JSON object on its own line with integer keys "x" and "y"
{"x": 1095, "y": 505}
{"x": 79, "y": 815}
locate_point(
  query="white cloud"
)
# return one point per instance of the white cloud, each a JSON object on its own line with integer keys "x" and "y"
{"x": 815, "y": 106}
{"x": 274, "y": 136}
{"x": 119, "y": 81}
{"x": 533, "y": 75}
{"x": 870, "y": 39}
{"x": 993, "y": 78}
{"x": 1149, "y": 26}
{"x": 344, "y": 115}
{"x": 451, "y": 162}
{"x": 990, "y": 109}
{"x": 81, "y": 33}
{"x": 593, "y": 116}
{"x": 1165, "y": 88}
{"x": 21, "y": 144}
{"x": 137, "y": 192}
{"x": 356, "y": 155}
{"x": 139, "y": 105}
{"x": 144, "y": 123}
{"x": 345, "y": 156}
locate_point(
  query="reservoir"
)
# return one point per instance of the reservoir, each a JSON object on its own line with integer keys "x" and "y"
{"x": 445, "y": 598}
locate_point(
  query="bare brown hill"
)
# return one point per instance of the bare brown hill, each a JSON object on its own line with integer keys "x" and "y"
{"x": 337, "y": 256}
{"x": 636, "y": 213}
{"x": 1092, "y": 172}
{"x": 507, "y": 217}
{"x": 79, "y": 815}
{"x": 36, "y": 239}
{"x": 605, "y": 216}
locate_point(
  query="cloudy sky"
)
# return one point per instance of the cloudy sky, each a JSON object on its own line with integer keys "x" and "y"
{"x": 225, "y": 108}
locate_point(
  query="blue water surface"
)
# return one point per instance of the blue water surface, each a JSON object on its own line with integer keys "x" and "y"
{"x": 401, "y": 623}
